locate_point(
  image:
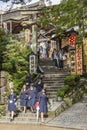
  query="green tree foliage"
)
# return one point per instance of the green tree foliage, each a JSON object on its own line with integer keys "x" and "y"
{"x": 67, "y": 14}
{"x": 3, "y": 42}
{"x": 15, "y": 60}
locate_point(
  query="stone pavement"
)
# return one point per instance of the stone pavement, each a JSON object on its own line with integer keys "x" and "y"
{"x": 28, "y": 127}
{"x": 74, "y": 117}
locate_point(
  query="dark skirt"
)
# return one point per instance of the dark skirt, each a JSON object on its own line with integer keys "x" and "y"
{"x": 11, "y": 107}
{"x": 23, "y": 102}
{"x": 43, "y": 108}
{"x": 31, "y": 102}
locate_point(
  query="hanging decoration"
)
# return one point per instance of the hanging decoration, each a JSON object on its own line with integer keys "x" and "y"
{"x": 72, "y": 40}
{"x": 79, "y": 59}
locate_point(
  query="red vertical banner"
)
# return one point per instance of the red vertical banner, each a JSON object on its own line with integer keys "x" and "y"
{"x": 72, "y": 40}
{"x": 79, "y": 59}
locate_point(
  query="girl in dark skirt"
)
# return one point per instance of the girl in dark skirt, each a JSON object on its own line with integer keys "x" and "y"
{"x": 31, "y": 97}
{"x": 12, "y": 98}
{"x": 23, "y": 98}
{"x": 43, "y": 100}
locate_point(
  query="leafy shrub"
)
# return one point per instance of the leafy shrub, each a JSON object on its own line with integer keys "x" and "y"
{"x": 70, "y": 83}
{"x": 1, "y": 107}
{"x": 63, "y": 91}
{"x": 85, "y": 75}
{"x": 33, "y": 76}
{"x": 72, "y": 80}
{"x": 15, "y": 60}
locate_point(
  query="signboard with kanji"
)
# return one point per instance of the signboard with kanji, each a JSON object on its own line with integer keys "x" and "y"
{"x": 73, "y": 61}
{"x": 27, "y": 35}
{"x": 79, "y": 59}
{"x": 32, "y": 64}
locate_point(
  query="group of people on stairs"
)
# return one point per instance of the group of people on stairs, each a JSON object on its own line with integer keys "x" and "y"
{"x": 31, "y": 96}
{"x": 58, "y": 58}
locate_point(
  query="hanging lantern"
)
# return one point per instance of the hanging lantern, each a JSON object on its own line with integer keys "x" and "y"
{"x": 72, "y": 40}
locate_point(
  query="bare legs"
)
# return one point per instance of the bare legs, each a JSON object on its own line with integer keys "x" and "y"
{"x": 42, "y": 117}
{"x": 24, "y": 109}
{"x": 12, "y": 115}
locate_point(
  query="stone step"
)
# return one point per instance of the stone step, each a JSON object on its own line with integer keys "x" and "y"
{"x": 55, "y": 75}
{"x": 46, "y": 62}
{"x": 53, "y": 69}
{"x": 48, "y": 68}
{"x": 53, "y": 79}
{"x": 35, "y": 122}
{"x": 21, "y": 114}
{"x": 52, "y": 87}
{"x": 53, "y": 84}
{"x": 20, "y": 118}
{"x": 52, "y": 90}
{"x": 59, "y": 80}
{"x": 26, "y": 114}
{"x": 23, "y": 120}
{"x": 51, "y": 96}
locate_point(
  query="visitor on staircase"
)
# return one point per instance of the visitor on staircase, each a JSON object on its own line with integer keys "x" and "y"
{"x": 55, "y": 58}
{"x": 29, "y": 79}
{"x": 37, "y": 105}
{"x": 27, "y": 85}
{"x": 44, "y": 54}
{"x": 60, "y": 59}
{"x": 39, "y": 85}
{"x": 12, "y": 99}
{"x": 23, "y": 98}
{"x": 31, "y": 92}
{"x": 43, "y": 100}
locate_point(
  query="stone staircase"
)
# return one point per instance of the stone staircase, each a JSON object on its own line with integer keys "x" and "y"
{"x": 22, "y": 118}
{"x": 53, "y": 77}
{"x": 53, "y": 80}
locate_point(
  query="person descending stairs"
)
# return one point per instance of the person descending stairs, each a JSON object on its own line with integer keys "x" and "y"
{"x": 53, "y": 80}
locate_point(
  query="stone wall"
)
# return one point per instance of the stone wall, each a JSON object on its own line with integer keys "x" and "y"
{"x": 3, "y": 84}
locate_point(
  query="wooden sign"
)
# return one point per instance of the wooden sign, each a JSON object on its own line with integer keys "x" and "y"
{"x": 73, "y": 61}
{"x": 79, "y": 59}
{"x": 32, "y": 64}
{"x": 27, "y": 35}
{"x": 65, "y": 42}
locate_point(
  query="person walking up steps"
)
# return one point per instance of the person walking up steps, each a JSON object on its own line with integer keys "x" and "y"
{"x": 60, "y": 58}
{"x": 55, "y": 58}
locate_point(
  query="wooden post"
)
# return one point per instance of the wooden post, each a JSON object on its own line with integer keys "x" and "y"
{"x": 1, "y": 20}
{"x": 11, "y": 27}
{"x": 34, "y": 39}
